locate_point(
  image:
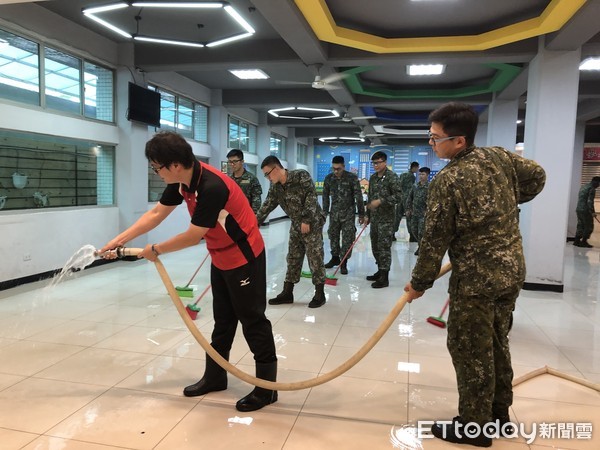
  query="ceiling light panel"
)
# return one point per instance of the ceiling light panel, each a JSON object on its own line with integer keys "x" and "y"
{"x": 425, "y": 69}
{"x": 592, "y": 63}
{"x": 249, "y": 74}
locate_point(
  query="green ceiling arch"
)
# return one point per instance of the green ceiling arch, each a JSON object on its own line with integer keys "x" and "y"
{"x": 504, "y": 75}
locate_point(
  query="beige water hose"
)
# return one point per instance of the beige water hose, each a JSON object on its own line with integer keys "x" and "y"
{"x": 321, "y": 379}
{"x": 298, "y": 385}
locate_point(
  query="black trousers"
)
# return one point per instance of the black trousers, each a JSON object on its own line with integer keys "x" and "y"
{"x": 241, "y": 295}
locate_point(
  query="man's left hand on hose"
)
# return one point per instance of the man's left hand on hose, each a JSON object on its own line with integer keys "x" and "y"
{"x": 149, "y": 253}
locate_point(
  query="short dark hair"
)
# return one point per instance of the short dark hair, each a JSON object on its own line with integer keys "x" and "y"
{"x": 596, "y": 179}
{"x": 457, "y": 119}
{"x": 236, "y": 153}
{"x": 168, "y": 147}
{"x": 379, "y": 155}
{"x": 270, "y": 161}
{"x": 414, "y": 164}
{"x": 337, "y": 160}
{"x": 425, "y": 169}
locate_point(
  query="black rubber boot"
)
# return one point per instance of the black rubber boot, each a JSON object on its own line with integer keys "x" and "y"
{"x": 286, "y": 296}
{"x": 382, "y": 281}
{"x": 334, "y": 261}
{"x": 457, "y": 433}
{"x": 260, "y": 397}
{"x": 344, "y": 268}
{"x": 585, "y": 244}
{"x": 319, "y": 298}
{"x": 214, "y": 379}
{"x": 577, "y": 241}
{"x": 375, "y": 276}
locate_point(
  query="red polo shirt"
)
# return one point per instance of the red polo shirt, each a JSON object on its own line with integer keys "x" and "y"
{"x": 215, "y": 201}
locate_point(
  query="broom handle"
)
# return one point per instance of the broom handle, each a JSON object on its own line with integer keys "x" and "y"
{"x": 445, "y": 307}
{"x": 349, "y": 250}
{"x": 202, "y": 295}
{"x": 197, "y": 270}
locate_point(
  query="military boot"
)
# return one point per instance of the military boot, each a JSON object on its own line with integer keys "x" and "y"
{"x": 286, "y": 296}
{"x": 214, "y": 379}
{"x": 319, "y": 298}
{"x": 585, "y": 244}
{"x": 334, "y": 261}
{"x": 577, "y": 241}
{"x": 260, "y": 397}
{"x": 382, "y": 281}
{"x": 375, "y": 276}
{"x": 344, "y": 268}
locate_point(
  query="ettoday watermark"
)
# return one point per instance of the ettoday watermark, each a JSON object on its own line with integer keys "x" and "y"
{"x": 511, "y": 430}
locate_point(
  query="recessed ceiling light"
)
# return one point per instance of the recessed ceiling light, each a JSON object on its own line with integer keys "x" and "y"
{"x": 592, "y": 63}
{"x": 329, "y": 113}
{"x": 425, "y": 69}
{"x": 341, "y": 139}
{"x": 249, "y": 74}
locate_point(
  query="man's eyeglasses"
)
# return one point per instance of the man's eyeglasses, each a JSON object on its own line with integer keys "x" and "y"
{"x": 376, "y": 163}
{"x": 156, "y": 169}
{"x": 269, "y": 172}
{"x": 233, "y": 161}
{"x": 437, "y": 140}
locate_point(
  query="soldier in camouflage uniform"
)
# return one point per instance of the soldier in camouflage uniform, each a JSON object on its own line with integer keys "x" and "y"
{"x": 416, "y": 204}
{"x": 472, "y": 212}
{"x": 585, "y": 213}
{"x": 382, "y": 198}
{"x": 246, "y": 180}
{"x": 405, "y": 183}
{"x": 295, "y": 192}
{"x": 346, "y": 196}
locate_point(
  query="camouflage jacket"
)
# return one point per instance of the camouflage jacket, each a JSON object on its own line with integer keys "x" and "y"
{"x": 251, "y": 188}
{"x": 346, "y": 196}
{"x": 405, "y": 183}
{"x": 416, "y": 202}
{"x": 585, "y": 200}
{"x": 386, "y": 189}
{"x": 472, "y": 211}
{"x": 298, "y": 199}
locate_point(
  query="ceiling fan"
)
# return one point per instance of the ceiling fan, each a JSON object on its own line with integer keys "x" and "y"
{"x": 362, "y": 134}
{"x": 320, "y": 83}
{"x": 349, "y": 118}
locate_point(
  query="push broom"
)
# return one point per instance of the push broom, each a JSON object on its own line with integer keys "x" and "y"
{"x": 439, "y": 321}
{"x": 332, "y": 280}
{"x": 192, "y": 308}
{"x": 187, "y": 290}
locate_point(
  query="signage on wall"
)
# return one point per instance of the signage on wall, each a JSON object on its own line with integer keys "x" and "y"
{"x": 591, "y": 153}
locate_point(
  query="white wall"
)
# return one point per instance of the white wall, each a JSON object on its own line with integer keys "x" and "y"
{"x": 39, "y": 241}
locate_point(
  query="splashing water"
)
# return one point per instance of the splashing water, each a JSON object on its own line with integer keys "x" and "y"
{"x": 82, "y": 258}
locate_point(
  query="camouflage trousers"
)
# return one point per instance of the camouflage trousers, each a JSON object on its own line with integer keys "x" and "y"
{"x": 478, "y": 344}
{"x": 381, "y": 243}
{"x": 348, "y": 231}
{"x": 311, "y": 245}
{"x": 417, "y": 225}
{"x": 585, "y": 224}
{"x": 400, "y": 212}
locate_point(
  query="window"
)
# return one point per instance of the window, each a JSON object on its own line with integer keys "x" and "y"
{"x": 180, "y": 114}
{"x": 38, "y": 171}
{"x": 63, "y": 81}
{"x": 71, "y": 84}
{"x": 19, "y": 69}
{"x": 98, "y": 92}
{"x": 242, "y": 135}
{"x": 302, "y": 153}
{"x": 277, "y": 145}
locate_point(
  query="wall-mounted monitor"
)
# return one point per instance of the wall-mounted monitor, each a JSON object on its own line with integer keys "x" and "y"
{"x": 144, "y": 105}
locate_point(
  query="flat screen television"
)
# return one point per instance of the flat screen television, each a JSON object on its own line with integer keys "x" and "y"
{"x": 144, "y": 105}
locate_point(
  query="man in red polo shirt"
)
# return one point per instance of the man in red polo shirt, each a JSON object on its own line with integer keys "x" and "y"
{"x": 220, "y": 214}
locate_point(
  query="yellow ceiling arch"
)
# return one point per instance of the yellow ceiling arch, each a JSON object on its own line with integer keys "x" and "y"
{"x": 556, "y": 14}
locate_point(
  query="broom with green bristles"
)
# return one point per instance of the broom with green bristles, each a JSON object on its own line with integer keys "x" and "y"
{"x": 187, "y": 290}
